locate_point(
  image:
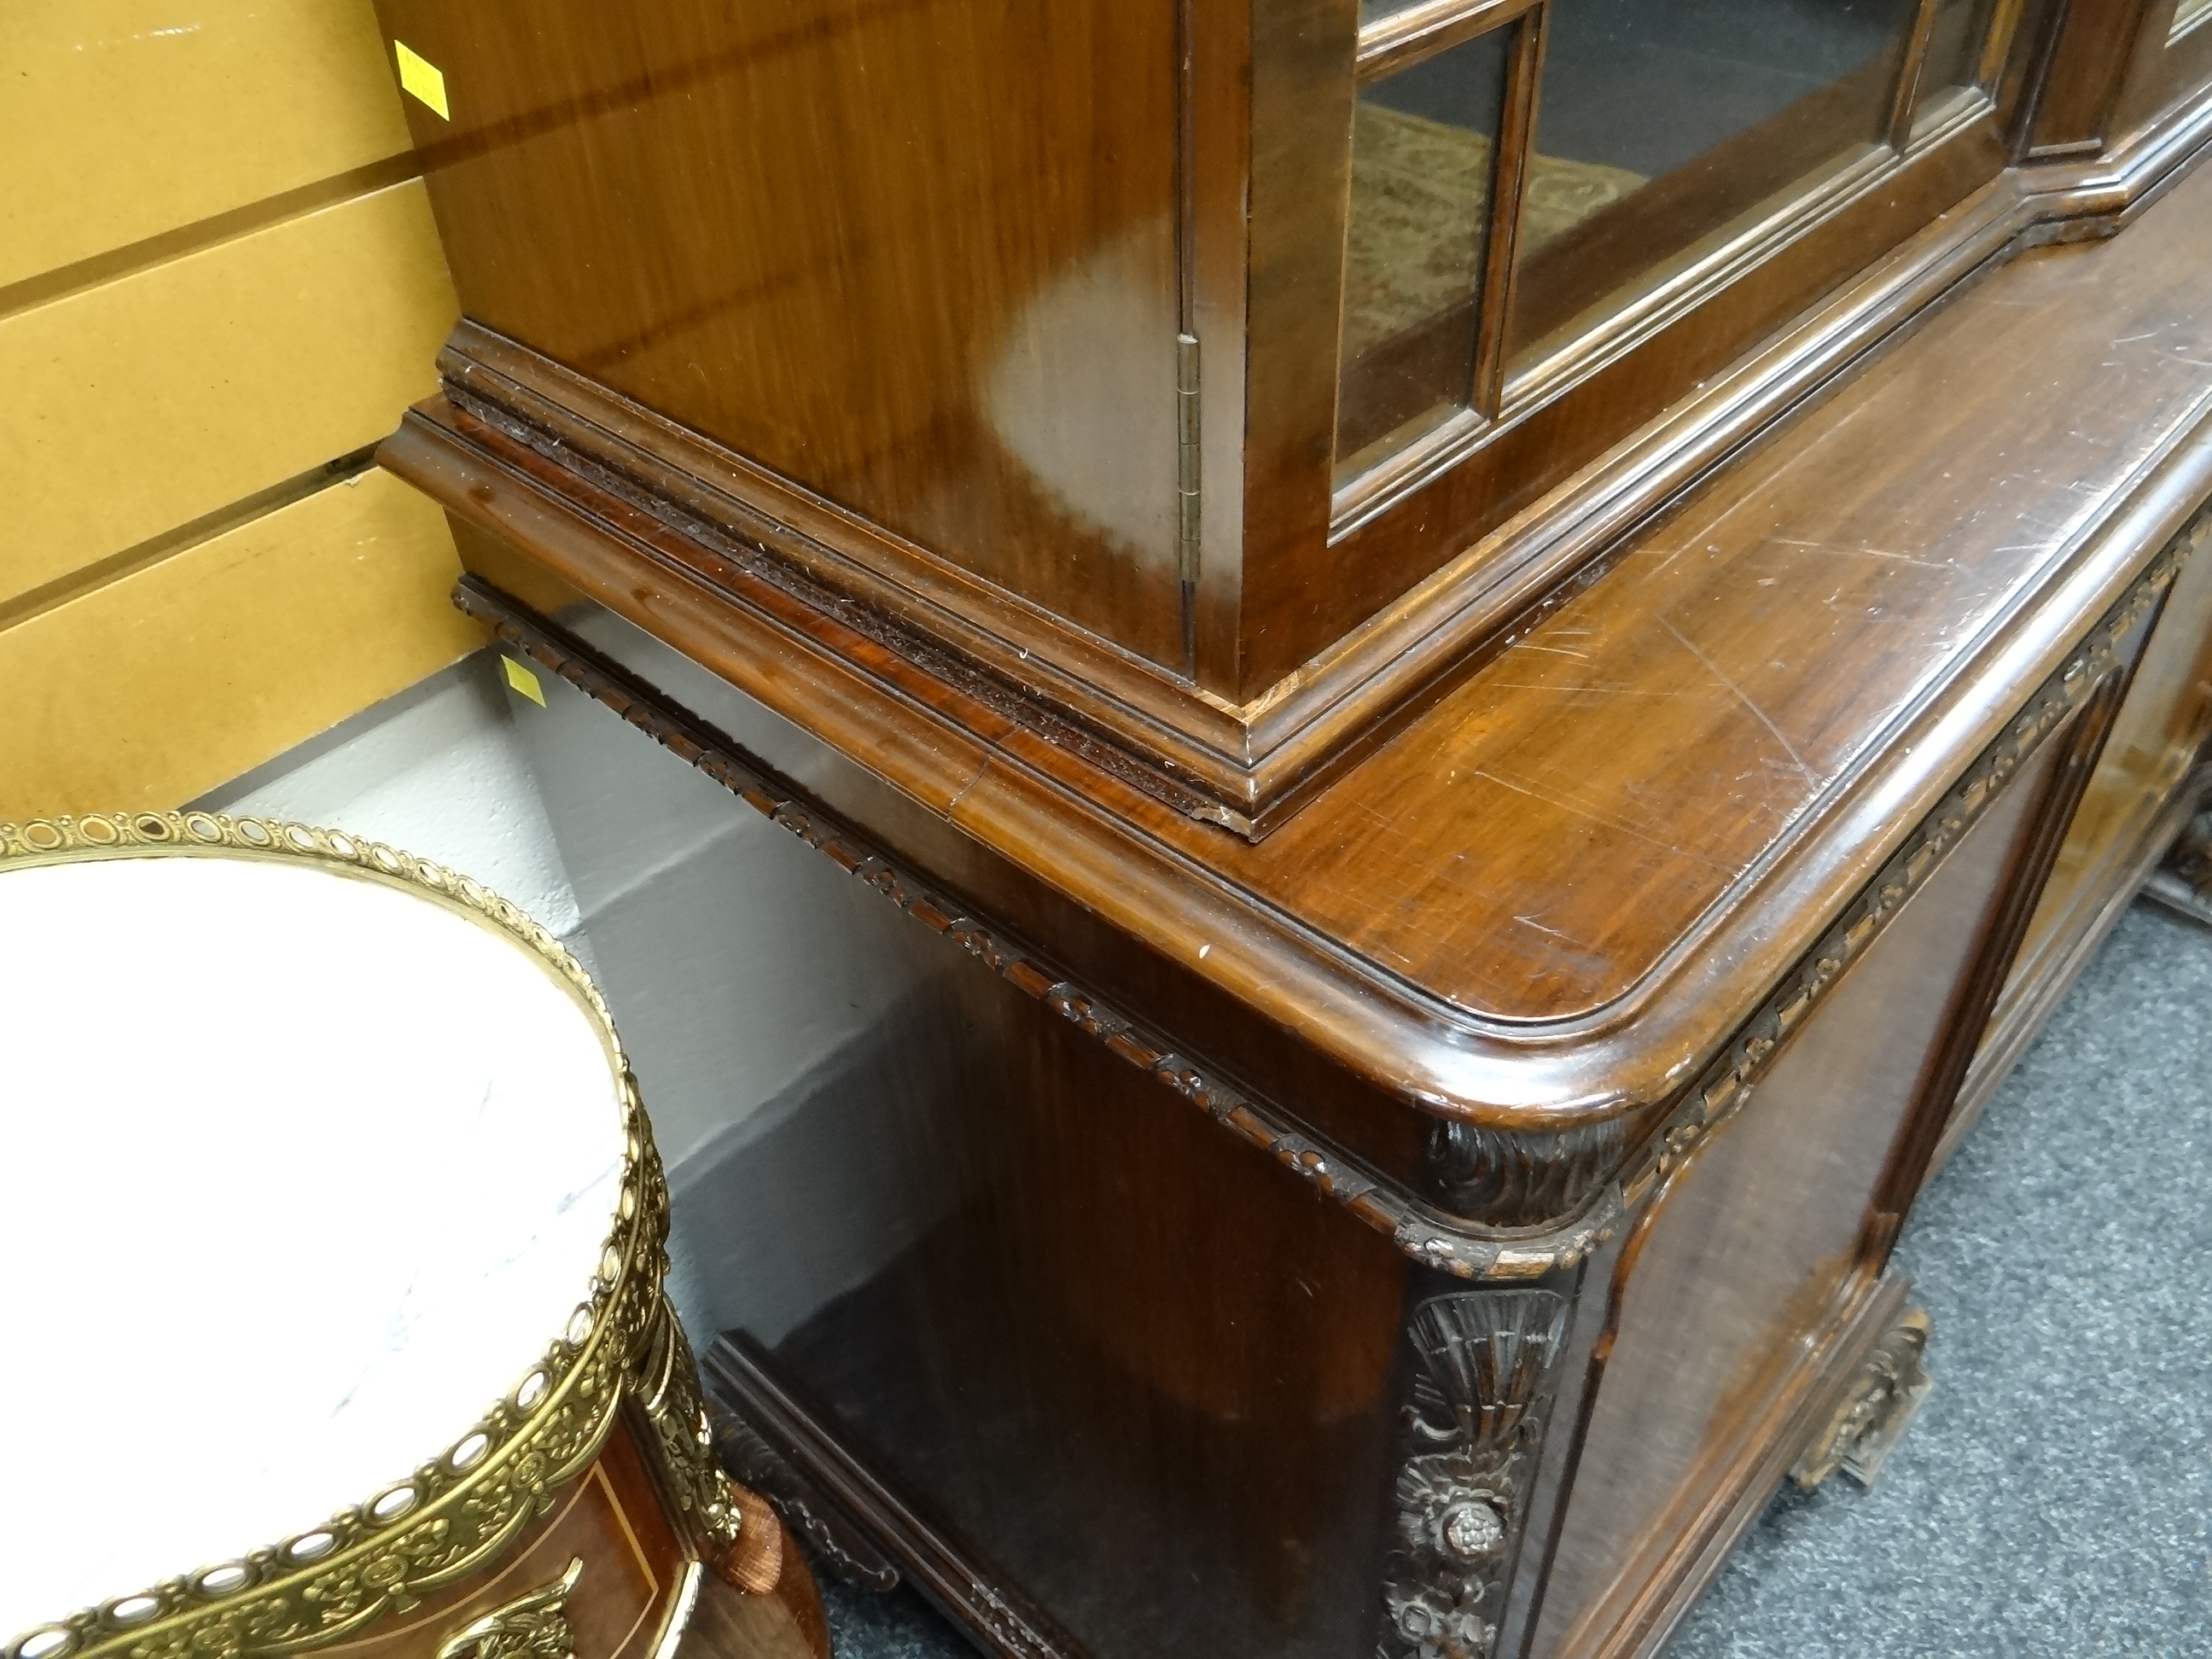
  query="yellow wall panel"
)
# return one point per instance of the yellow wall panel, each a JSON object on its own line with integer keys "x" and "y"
{"x": 152, "y": 689}
{"x": 152, "y": 400}
{"x": 122, "y": 119}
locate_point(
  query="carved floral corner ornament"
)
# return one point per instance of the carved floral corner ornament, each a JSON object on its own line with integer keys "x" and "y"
{"x": 1868, "y": 1420}
{"x": 2183, "y": 881}
{"x": 1480, "y": 1399}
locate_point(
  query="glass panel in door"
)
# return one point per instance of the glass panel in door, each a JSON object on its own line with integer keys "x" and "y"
{"x": 1665, "y": 126}
{"x": 1424, "y": 160}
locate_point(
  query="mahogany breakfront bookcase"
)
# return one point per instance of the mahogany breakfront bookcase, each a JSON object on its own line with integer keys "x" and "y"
{"x": 1459, "y": 673}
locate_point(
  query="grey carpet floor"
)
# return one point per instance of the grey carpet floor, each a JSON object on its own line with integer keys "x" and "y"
{"x": 2054, "y": 1496}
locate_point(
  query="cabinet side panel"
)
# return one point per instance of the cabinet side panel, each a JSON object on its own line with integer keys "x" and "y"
{"x": 1140, "y": 1375}
{"x": 2172, "y": 61}
{"x": 1759, "y": 1238}
{"x": 917, "y": 255}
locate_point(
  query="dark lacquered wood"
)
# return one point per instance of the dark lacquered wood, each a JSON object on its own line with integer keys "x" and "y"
{"x": 1215, "y": 1430}
{"x": 2092, "y": 47}
{"x": 1138, "y": 1190}
{"x": 1303, "y": 83}
{"x": 1760, "y": 1238}
{"x": 2131, "y": 809}
{"x": 1780, "y": 618}
{"x": 1721, "y": 622}
{"x": 1487, "y": 476}
{"x": 2173, "y": 59}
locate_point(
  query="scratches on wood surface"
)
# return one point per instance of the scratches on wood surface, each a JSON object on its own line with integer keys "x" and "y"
{"x": 1744, "y": 697}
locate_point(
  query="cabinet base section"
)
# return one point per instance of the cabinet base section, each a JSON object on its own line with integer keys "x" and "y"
{"x": 1874, "y": 1414}
{"x": 1844, "y": 1403}
{"x": 2183, "y": 881}
{"x": 1716, "y": 1504}
{"x": 852, "y": 1516}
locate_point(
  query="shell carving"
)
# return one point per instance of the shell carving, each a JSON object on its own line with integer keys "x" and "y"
{"x": 1486, "y": 1360}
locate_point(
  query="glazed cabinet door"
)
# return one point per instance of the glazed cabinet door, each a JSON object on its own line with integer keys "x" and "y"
{"x": 1527, "y": 226}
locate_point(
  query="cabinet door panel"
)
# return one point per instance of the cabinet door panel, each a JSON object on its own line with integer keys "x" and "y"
{"x": 1666, "y": 125}
{"x": 1762, "y": 1236}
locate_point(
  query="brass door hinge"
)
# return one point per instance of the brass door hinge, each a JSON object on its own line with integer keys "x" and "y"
{"x": 1188, "y": 532}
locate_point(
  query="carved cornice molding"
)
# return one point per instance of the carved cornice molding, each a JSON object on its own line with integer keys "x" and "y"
{"x": 527, "y": 400}
{"x": 1594, "y": 1175}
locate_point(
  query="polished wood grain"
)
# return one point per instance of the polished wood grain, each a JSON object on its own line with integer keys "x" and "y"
{"x": 2132, "y": 809}
{"x": 2171, "y": 61}
{"x": 868, "y": 245}
{"x": 1194, "y": 1353}
{"x": 2092, "y": 44}
{"x": 1755, "y": 1243}
{"x": 1628, "y": 982}
{"x": 1721, "y": 623}
{"x": 1791, "y": 639}
{"x": 943, "y": 381}
{"x": 1430, "y": 502}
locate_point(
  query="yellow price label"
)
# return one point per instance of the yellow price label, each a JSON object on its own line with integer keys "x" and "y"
{"x": 422, "y": 78}
{"x": 524, "y": 681}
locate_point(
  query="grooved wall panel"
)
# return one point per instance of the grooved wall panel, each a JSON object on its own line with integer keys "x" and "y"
{"x": 125, "y": 119}
{"x": 153, "y": 399}
{"x": 216, "y": 279}
{"x": 154, "y": 689}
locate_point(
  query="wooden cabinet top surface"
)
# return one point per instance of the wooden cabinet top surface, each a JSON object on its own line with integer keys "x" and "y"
{"x": 1534, "y": 847}
{"x": 1563, "y": 886}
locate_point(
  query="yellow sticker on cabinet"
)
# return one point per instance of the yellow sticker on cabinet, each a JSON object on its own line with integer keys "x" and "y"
{"x": 421, "y": 77}
{"x": 524, "y": 681}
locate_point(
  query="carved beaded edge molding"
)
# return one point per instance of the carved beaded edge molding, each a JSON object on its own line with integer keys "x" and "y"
{"x": 754, "y": 781}
{"x": 1428, "y": 1239}
{"x": 1727, "y": 1084}
{"x": 455, "y": 1514}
